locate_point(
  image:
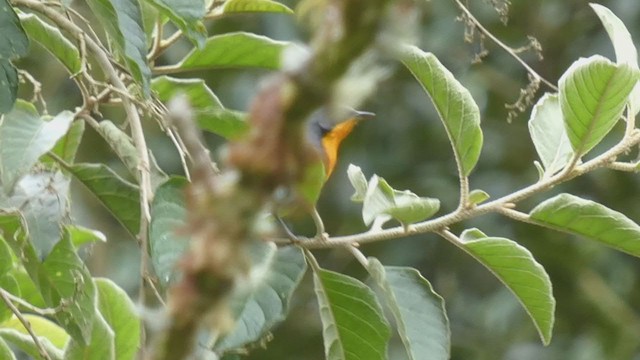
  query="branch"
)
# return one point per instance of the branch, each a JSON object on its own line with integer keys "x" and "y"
{"x": 500, "y": 205}
{"x": 25, "y": 323}
{"x": 508, "y": 49}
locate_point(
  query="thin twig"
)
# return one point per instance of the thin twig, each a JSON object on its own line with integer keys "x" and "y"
{"x": 25, "y": 323}
{"x": 506, "y": 48}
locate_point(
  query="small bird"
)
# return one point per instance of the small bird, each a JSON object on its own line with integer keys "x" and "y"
{"x": 326, "y": 135}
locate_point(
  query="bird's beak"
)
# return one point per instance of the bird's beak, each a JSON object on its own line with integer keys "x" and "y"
{"x": 363, "y": 115}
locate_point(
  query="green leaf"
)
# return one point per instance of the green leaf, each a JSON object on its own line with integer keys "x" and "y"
{"x": 122, "y": 19}
{"x": 623, "y": 46}
{"x": 120, "y": 197}
{"x": 25, "y": 137}
{"x": 43, "y": 201}
{"x": 53, "y": 41}
{"x": 67, "y": 147}
{"x": 52, "y": 337}
{"x": 28, "y": 290}
{"x": 274, "y": 275}
{"x": 168, "y": 215}
{"x": 313, "y": 179}
{"x": 5, "y": 351}
{"x": 8, "y": 283}
{"x": 358, "y": 181}
{"x": 353, "y": 326}
{"x": 13, "y": 228}
{"x": 572, "y": 214}
{"x": 81, "y": 235}
{"x": 383, "y": 202}
{"x": 14, "y": 42}
{"x": 593, "y": 94}
{"x": 516, "y": 268}
{"x": 65, "y": 278}
{"x": 549, "y": 135}
{"x": 457, "y": 109}
{"x": 242, "y": 6}
{"x": 122, "y": 145}
{"x": 478, "y": 196}
{"x": 235, "y": 50}
{"x": 209, "y": 112}
{"x": 187, "y": 15}
{"x": 100, "y": 347}
{"x": 418, "y": 311}
{"x": 121, "y": 316}
{"x": 6, "y": 258}
{"x": 8, "y": 85}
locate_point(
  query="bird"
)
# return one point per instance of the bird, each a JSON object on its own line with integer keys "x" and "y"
{"x": 326, "y": 135}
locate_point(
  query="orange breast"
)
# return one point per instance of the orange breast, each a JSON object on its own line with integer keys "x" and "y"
{"x": 331, "y": 143}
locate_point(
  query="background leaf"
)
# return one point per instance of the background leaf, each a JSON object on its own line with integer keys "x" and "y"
{"x": 235, "y": 50}
{"x": 242, "y": 6}
{"x": 52, "y": 39}
{"x": 51, "y": 336}
{"x": 570, "y": 213}
{"x": 25, "y": 137}
{"x": 593, "y": 94}
{"x": 13, "y": 44}
{"x": 168, "y": 215}
{"x": 120, "y": 197}
{"x": 186, "y": 15}
{"x": 457, "y": 109}
{"x": 5, "y": 351}
{"x": 122, "y": 19}
{"x": 100, "y": 345}
{"x": 353, "y": 326}
{"x": 209, "y": 112}
{"x": 418, "y": 311}
{"x": 549, "y": 135}
{"x": 43, "y": 201}
{"x": 274, "y": 275}
{"x": 122, "y": 317}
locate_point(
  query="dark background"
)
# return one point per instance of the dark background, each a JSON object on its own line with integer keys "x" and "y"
{"x": 597, "y": 289}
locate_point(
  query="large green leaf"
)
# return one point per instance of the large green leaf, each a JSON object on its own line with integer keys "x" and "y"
{"x": 623, "y": 46}
{"x": 120, "y": 197}
{"x": 593, "y": 94}
{"x": 65, "y": 279}
{"x": 168, "y": 215}
{"x": 52, "y": 39}
{"x": 52, "y": 337}
{"x": 101, "y": 346}
{"x": 13, "y": 228}
{"x": 209, "y": 112}
{"x": 274, "y": 275}
{"x": 234, "y": 50}
{"x": 122, "y": 19}
{"x": 42, "y": 198}
{"x": 25, "y": 137}
{"x": 120, "y": 313}
{"x": 418, "y": 311}
{"x": 549, "y": 135}
{"x": 456, "y": 107}
{"x": 570, "y": 213}
{"x": 516, "y": 268}
{"x": 353, "y": 326}
{"x": 186, "y": 15}
{"x": 81, "y": 235}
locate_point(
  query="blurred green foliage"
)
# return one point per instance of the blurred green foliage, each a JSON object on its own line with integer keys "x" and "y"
{"x": 597, "y": 289}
